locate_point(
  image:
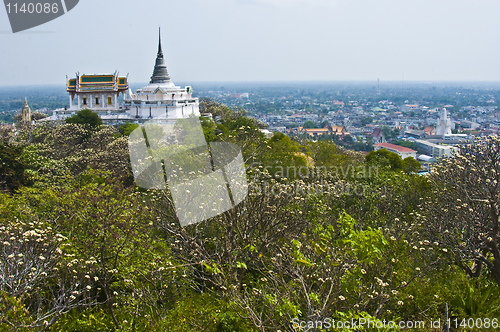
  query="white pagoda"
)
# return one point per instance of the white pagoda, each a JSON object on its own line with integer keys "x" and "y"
{"x": 161, "y": 98}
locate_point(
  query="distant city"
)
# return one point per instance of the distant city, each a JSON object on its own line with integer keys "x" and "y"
{"x": 358, "y": 115}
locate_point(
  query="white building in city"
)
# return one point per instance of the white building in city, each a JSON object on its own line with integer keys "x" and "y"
{"x": 443, "y": 124}
{"x": 436, "y": 150}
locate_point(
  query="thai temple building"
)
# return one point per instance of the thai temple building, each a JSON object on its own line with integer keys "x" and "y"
{"x": 161, "y": 99}
{"x": 97, "y": 92}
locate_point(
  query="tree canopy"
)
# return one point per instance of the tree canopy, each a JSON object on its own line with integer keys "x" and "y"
{"x": 385, "y": 157}
{"x": 309, "y": 124}
{"x": 324, "y": 233}
{"x": 85, "y": 117}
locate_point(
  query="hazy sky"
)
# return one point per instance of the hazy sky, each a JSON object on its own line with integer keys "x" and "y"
{"x": 261, "y": 40}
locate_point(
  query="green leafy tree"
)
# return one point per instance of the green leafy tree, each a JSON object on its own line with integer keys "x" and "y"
{"x": 12, "y": 167}
{"x": 13, "y": 314}
{"x": 85, "y": 117}
{"x": 281, "y": 154}
{"x": 347, "y": 139}
{"x": 309, "y": 124}
{"x": 366, "y": 120}
{"x": 220, "y": 111}
{"x": 6, "y": 133}
{"x": 328, "y": 154}
{"x": 332, "y": 268}
{"x": 111, "y": 230}
{"x": 407, "y": 144}
{"x": 410, "y": 165}
{"x": 70, "y": 149}
{"x": 384, "y": 157}
{"x": 389, "y": 133}
{"x": 329, "y": 137}
{"x": 127, "y": 128}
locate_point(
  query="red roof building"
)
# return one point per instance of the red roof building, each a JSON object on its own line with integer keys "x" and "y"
{"x": 400, "y": 150}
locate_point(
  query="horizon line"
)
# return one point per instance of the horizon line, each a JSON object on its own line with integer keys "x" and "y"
{"x": 285, "y": 82}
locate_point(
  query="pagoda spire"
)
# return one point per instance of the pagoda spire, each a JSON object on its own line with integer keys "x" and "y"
{"x": 159, "y": 42}
{"x": 160, "y": 73}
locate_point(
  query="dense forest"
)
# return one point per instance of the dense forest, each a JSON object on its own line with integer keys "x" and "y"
{"x": 324, "y": 234}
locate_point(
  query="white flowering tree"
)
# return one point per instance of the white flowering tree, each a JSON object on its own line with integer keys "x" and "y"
{"x": 85, "y": 244}
{"x": 110, "y": 228}
{"x": 332, "y": 270}
{"x": 283, "y": 254}
{"x": 6, "y": 133}
{"x": 217, "y": 250}
{"x": 70, "y": 149}
{"x": 37, "y": 270}
{"x": 463, "y": 214}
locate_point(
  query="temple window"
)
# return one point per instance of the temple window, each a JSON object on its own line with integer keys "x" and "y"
{"x": 109, "y": 101}
{"x": 97, "y": 101}
{"x": 84, "y": 101}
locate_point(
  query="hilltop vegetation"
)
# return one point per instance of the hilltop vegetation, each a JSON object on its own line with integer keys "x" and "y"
{"x": 325, "y": 233}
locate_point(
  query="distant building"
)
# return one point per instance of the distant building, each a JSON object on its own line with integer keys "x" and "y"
{"x": 415, "y": 133}
{"x": 97, "y": 92}
{"x": 407, "y": 108}
{"x": 378, "y": 136}
{"x": 443, "y": 124}
{"x": 399, "y": 126}
{"x": 26, "y": 112}
{"x": 314, "y": 132}
{"x": 429, "y": 130}
{"x": 267, "y": 133}
{"x": 444, "y": 151}
{"x": 469, "y": 125}
{"x": 280, "y": 129}
{"x": 161, "y": 99}
{"x": 436, "y": 150}
{"x": 402, "y": 151}
{"x": 339, "y": 130}
{"x": 426, "y": 158}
